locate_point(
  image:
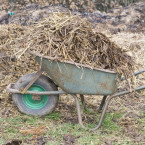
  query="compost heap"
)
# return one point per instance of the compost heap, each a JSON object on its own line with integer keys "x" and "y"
{"x": 9, "y": 34}
{"x": 70, "y": 38}
{"x": 10, "y": 68}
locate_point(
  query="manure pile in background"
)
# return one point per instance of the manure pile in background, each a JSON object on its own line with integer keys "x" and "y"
{"x": 8, "y": 36}
{"x": 127, "y": 19}
{"x": 71, "y": 38}
{"x": 10, "y": 68}
{"x": 80, "y": 5}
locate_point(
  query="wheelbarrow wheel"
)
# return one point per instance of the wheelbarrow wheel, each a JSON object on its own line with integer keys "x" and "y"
{"x": 32, "y": 104}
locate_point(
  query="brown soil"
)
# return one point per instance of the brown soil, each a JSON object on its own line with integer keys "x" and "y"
{"x": 69, "y": 139}
{"x": 13, "y": 142}
{"x": 79, "y": 5}
{"x": 128, "y": 19}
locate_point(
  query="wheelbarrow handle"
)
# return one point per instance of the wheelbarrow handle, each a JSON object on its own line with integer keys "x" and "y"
{"x": 139, "y": 72}
{"x": 135, "y": 74}
{"x": 108, "y": 101}
{"x": 105, "y": 107}
{"x": 11, "y": 89}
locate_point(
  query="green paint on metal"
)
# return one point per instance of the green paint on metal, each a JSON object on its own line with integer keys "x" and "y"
{"x": 35, "y": 104}
{"x": 79, "y": 80}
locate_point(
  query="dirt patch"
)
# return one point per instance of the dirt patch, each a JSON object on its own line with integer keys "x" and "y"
{"x": 80, "y": 5}
{"x": 38, "y": 140}
{"x": 128, "y": 19}
{"x": 67, "y": 112}
{"x": 13, "y": 142}
{"x": 32, "y": 13}
{"x": 69, "y": 139}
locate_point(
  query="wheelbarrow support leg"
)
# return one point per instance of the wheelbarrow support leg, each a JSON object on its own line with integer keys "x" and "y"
{"x": 102, "y": 103}
{"x": 101, "y": 117}
{"x": 38, "y": 74}
{"x": 103, "y": 113}
{"x": 83, "y": 103}
{"x": 108, "y": 101}
{"x": 78, "y": 111}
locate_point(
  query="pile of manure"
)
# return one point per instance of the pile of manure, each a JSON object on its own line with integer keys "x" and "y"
{"x": 70, "y": 38}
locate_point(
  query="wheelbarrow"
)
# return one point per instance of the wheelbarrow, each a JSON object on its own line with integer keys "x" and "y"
{"x": 36, "y": 94}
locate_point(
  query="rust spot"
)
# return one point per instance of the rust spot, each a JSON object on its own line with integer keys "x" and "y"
{"x": 98, "y": 93}
{"x": 36, "y": 97}
{"x": 104, "y": 85}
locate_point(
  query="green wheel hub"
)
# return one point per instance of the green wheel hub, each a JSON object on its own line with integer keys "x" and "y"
{"x": 30, "y": 102}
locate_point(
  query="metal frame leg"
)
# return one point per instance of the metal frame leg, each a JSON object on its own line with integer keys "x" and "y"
{"x": 103, "y": 113}
{"x": 38, "y": 74}
{"x": 101, "y": 117}
{"x": 108, "y": 101}
{"x": 102, "y": 103}
{"x": 83, "y": 102}
{"x": 78, "y": 111}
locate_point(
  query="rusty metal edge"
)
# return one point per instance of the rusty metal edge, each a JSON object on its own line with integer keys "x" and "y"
{"x": 77, "y": 64}
{"x": 10, "y": 89}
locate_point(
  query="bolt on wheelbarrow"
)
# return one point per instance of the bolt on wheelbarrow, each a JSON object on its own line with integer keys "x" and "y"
{"x": 36, "y": 94}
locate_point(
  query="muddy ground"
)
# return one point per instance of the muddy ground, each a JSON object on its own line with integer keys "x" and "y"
{"x": 79, "y": 5}
{"x": 128, "y": 19}
{"x": 125, "y": 26}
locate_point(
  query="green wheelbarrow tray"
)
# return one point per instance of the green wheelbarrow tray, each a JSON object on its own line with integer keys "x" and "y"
{"x": 79, "y": 79}
{"x": 74, "y": 78}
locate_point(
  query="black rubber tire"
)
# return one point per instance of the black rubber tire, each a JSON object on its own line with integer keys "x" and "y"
{"x": 43, "y": 81}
